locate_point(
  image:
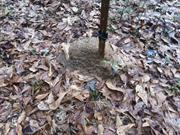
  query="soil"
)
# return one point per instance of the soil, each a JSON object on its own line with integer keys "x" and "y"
{"x": 85, "y": 58}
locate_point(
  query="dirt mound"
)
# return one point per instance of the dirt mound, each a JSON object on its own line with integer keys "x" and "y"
{"x": 85, "y": 58}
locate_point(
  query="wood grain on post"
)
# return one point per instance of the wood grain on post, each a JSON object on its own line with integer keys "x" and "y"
{"x": 103, "y": 25}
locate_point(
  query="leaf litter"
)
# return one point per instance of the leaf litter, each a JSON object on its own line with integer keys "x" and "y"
{"x": 134, "y": 92}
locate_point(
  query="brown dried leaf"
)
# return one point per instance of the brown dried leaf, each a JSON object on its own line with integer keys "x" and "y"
{"x": 34, "y": 67}
{"x": 141, "y": 92}
{"x": 89, "y": 130}
{"x": 41, "y": 96}
{"x": 5, "y": 110}
{"x": 98, "y": 116}
{"x": 19, "y": 130}
{"x": 81, "y": 96}
{"x": 78, "y": 93}
{"x": 2, "y": 83}
{"x": 120, "y": 128}
{"x": 111, "y": 86}
{"x": 50, "y": 98}
{"x": 100, "y": 129}
{"x": 124, "y": 78}
{"x": 7, "y": 128}
{"x": 21, "y": 117}
{"x": 112, "y": 95}
{"x": 56, "y": 104}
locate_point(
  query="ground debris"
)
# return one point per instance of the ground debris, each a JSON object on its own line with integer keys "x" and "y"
{"x": 52, "y": 80}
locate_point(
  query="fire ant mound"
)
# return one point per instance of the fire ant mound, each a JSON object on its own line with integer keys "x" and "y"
{"x": 84, "y": 57}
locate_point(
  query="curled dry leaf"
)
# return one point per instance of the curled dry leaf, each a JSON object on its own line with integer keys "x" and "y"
{"x": 111, "y": 86}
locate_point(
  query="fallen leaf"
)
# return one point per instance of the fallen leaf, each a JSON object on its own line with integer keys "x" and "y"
{"x": 146, "y": 78}
{"x": 175, "y": 123}
{"x": 43, "y": 106}
{"x": 56, "y": 104}
{"x": 111, "y": 86}
{"x": 141, "y": 92}
{"x": 34, "y": 124}
{"x": 81, "y": 96}
{"x": 75, "y": 9}
{"x": 50, "y": 70}
{"x": 41, "y": 96}
{"x": 19, "y": 130}
{"x": 2, "y": 83}
{"x": 98, "y": 116}
{"x": 100, "y": 129}
{"x": 120, "y": 128}
{"x": 112, "y": 95}
{"x": 78, "y": 93}
{"x": 124, "y": 78}
{"x": 159, "y": 70}
{"x": 89, "y": 130}
{"x": 50, "y": 98}
{"x": 34, "y": 68}
{"x": 26, "y": 45}
{"x": 21, "y": 117}
{"x": 6, "y": 128}
{"x": 5, "y": 110}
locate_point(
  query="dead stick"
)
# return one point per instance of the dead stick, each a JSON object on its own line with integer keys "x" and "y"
{"x": 103, "y": 26}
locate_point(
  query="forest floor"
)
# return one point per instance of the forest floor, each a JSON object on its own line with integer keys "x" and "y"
{"x": 38, "y": 96}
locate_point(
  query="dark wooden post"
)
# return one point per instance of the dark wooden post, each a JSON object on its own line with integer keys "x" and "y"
{"x": 103, "y": 26}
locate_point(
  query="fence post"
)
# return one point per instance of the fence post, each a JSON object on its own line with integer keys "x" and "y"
{"x": 103, "y": 26}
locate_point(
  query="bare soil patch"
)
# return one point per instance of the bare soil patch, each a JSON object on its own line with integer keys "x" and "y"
{"x": 85, "y": 58}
